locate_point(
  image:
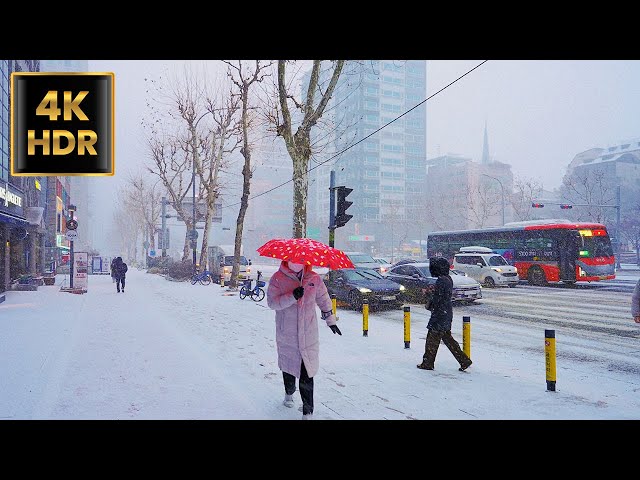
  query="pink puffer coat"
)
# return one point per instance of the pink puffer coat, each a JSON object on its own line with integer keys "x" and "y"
{"x": 297, "y": 337}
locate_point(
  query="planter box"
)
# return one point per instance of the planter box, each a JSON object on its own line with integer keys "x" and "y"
{"x": 49, "y": 280}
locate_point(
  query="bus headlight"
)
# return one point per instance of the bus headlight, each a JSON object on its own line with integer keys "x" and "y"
{"x": 402, "y": 287}
{"x": 581, "y": 272}
{"x": 364, "y": 290}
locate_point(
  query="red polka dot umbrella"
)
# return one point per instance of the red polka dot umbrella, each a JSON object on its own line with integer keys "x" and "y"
{"x": 305, "y": 251}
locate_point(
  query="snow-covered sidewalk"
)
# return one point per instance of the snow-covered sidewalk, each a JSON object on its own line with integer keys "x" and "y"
{"x": 172, "y": 350}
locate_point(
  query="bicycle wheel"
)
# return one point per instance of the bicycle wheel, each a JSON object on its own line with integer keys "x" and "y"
{"x": 206, "y": 280}
{"x": 243, "y": 293}
{"x": 257, "y": 295}
{"x": 194, "y": 279}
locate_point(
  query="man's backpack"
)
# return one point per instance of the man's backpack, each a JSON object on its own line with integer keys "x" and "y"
{"x": 124, "y": 268}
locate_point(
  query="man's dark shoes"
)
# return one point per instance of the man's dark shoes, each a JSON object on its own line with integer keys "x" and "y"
{"x": 465, "y": 366}
{"x": 424, "y": 366}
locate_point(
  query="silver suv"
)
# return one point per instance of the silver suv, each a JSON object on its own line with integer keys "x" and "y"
{"x": 486, "y": 266}
{"x": 364, "y": 260}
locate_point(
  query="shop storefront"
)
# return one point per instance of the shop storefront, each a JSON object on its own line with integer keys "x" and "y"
{"x": 13, "y": 233}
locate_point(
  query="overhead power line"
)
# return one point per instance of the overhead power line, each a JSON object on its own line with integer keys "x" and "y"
{"x": 368, "y": 136}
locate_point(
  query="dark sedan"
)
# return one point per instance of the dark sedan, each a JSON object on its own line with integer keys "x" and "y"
{"x": 352, "y": 285}
{"x": 417, "y": 280}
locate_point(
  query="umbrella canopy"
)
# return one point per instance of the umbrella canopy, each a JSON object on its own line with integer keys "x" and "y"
{"x": 305, "y": 251}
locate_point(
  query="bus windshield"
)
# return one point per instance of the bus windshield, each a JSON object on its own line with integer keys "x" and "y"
{"x": 596, "y": 247}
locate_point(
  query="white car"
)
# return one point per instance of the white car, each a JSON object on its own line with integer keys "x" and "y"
{"x": 486, "y": 266}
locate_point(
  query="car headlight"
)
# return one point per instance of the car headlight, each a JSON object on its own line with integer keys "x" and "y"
{"x": 515, "y": 269}
{"x": 364, "y": 290}
{"x": 497, "y": 269}
{"x": 402, "y": 288}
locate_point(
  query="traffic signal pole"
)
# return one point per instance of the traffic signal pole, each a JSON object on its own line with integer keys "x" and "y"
{"x": 332, "y": 208}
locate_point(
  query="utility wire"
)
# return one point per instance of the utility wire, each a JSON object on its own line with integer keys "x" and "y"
{"x": 368, "y": 136}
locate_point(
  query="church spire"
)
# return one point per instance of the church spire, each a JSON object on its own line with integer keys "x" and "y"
{"x": 485, "y": 147}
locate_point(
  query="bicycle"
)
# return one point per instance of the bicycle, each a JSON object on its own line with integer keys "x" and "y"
{"x": 203, "y": 277}
{"x": 256, "y": 293}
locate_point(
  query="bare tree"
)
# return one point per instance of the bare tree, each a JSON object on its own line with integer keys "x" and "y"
{"x": 243, "y": 79}
{"x": 443, "y": 210}
{"x": 526, "y": 192}
{"x": 630, "y": 226}
{"x": 308, "y": 111}
{"x": 143, "y": 197}
{"x": 179, "y": 105}
{"x": 591, "y": 188}
{"x": 128, "y": 222}
{"x": 221, "y": 142}
{"x": 483, "y": 203}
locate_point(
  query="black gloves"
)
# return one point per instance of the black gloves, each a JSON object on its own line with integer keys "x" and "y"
{"x": 335, "y": 329}
{"x": 298, "y": 292}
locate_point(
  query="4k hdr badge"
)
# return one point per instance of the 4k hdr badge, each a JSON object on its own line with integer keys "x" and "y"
{"x": 62, "y": 124}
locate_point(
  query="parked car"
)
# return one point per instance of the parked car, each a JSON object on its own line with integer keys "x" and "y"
{"x": 486, "y": 266}
{"x": 385, "y": 265}
{"x": 363, "y": 260}
{"x": 352, "y": 285}
{"x": 417, "y": 280}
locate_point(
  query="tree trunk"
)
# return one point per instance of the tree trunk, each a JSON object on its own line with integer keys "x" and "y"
{"x": 300, "y": 156}
{"x": 246, "y": 187}
{"x": 205, "y": 237}
{"x": 187, "y": 244}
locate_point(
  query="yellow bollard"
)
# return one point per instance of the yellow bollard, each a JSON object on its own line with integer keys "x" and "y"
{"x": 365, "y": 318}
{"x": 222, "y": 280}
{"x": 407, "y": 326}
{"x": 466, "y": 336}
{"x": 550, "y": 358}
{"x": 333, "y": 303}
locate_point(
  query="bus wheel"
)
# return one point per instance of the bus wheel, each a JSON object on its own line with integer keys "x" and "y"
{"x": 489, "y": 282}
{"x": 536, "y": 276}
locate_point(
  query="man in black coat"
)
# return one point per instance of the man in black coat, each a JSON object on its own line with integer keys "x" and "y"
{"x": 439, "y": 324}
{"x": 120, "y": 269}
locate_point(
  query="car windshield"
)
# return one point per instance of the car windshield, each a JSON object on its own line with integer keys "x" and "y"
{"x": 497, "y": 260}
{"x": 362, "y": 274}
{"x": 228, "y": 260}
{"x": 361, "y": 258}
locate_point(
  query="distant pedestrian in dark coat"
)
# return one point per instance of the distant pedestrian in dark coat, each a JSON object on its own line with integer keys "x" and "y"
{"x": 119, "y": 272}
{"x": 439, "y": 324}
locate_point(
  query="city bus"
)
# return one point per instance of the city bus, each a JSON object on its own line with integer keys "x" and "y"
{"x": 542, "y": 251}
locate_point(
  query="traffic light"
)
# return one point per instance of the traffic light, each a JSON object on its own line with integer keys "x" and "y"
{"x": 343, "y": 204}
{"x": 537, "y": 205}
{"x": 566, "y": 207}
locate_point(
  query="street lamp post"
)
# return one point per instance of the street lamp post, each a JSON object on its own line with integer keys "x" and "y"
{"x": 501, "y": 191}
{"x": 72, "y": 210}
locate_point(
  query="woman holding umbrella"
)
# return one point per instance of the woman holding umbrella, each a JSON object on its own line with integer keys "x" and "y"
{"x": 294, "y": 291}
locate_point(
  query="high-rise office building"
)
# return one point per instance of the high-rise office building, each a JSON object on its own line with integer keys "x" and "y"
{"x": 386, "y": 170}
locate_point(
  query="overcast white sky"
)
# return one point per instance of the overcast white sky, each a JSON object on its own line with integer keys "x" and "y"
{"x": 539, "y": 113}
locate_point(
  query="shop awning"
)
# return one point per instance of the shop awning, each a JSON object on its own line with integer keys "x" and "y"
{"x": 14, "y": 221}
